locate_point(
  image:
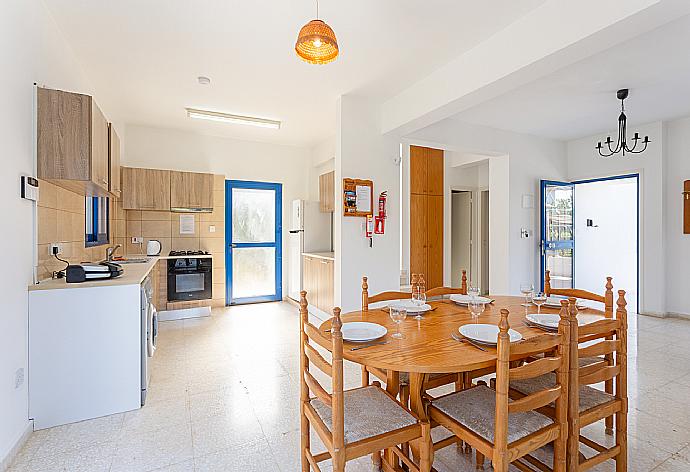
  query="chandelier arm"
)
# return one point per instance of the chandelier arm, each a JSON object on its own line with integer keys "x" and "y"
{"x": 632, "y": 151}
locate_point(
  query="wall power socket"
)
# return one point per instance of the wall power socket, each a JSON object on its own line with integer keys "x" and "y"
{"x": 56, "y": 249}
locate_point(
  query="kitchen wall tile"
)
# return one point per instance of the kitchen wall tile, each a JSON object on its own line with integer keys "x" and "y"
{"x": 155, "y": 228}
{"x": 219, "y": 260}
{"x": 206, "y": 233}
{"x": 218, "y": 182}
{"x": 212, "y": 245}
{"x": 218, "y": 290}
{"x": 133, "y": 228}
{"x": 134, "y": 249}
{"x": 155, "y": 216}
{"x": 47, "y": 194}
{"x": 219, "y": 199}
{"x": 185, "y": 244}
{"x": 134, "y": 215}
{"x": 120, "y": 213}
{"x": 218, "y": 274}
{"x": 47, "y": 225}
{"x": 77, "y": 226}
{"x": 64, "y": 226}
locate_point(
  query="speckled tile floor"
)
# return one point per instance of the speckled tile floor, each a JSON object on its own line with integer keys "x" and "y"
{"x": 224, "y": 397}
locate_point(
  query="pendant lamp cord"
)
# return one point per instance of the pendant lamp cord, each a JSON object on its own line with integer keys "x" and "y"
{"x": 317, "y": 9}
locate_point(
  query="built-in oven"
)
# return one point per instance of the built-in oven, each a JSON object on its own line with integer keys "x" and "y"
{"x": 190, "y": 278}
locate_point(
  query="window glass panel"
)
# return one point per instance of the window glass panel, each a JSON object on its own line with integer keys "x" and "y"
{"x": 253, "y": 272}
{"x": 559, "y": 263}
{"x": 558, "y": 206}
{"x": 96, "y": 221}
{"x": 253, "y": 215}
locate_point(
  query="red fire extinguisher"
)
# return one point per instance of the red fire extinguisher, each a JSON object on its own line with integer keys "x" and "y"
{"x": 380, "y": 219}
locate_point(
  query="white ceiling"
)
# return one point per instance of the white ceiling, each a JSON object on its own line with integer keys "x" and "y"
{"x": 143, "y": 57}
{"x": 580, "y": 100}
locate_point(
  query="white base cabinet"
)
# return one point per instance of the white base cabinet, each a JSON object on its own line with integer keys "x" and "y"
{"x": 84, "y": 353}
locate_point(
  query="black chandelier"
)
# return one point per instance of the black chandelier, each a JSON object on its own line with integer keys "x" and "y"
{"x": 622, "y": 143}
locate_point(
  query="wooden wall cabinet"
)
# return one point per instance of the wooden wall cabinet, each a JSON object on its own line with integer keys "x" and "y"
{"x": 72, "y": 142}
{"x": 113, "y": 161}
{"x": 145, "y": 189}
{"x": 327, "y": 192}
{"x": 318, "y": 280}
{"x": 191, "y": 191}
{"x": 426, "y": 214}
{"x": 426, "y": 171}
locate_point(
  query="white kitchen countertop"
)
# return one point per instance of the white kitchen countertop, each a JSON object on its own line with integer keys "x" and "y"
{"x": 321, "y": 255}
{"x": 134, "y": 274}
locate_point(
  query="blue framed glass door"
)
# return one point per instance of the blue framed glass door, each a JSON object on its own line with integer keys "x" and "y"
{"x": 557, "y": 232}
{"x": 253, "y": 252}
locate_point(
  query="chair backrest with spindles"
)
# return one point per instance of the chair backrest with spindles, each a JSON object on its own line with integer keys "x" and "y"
{"x": 311, "y": 357}
{"x": 440, "y": 291}
{"x": 606, "y": 338}
{"x": 381, "y": 297}
{"x": 555, "y": 350}
{"x": 606, "y": 299}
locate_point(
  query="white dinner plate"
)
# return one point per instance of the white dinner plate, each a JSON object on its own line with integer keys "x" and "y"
{"x": 552, "y": 320}
{"x": 555, "y": 302}
{"x": 410, "y": 306}
{"x": 486, "y": 333}
{"x": 465, "y": 299}
{"x": 361, "y": 331}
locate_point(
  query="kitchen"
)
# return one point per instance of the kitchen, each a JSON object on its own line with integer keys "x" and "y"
{"x": 165, "y": 233}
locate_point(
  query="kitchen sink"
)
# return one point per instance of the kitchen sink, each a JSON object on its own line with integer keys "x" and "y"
{"x": 132, "y": 260}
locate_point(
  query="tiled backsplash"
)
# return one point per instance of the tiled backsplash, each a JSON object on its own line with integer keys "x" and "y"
{"x": 61, "y": 218}
{"x": 165, "y": 227}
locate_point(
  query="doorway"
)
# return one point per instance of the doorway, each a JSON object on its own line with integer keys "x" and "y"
{"x": 590, "y": 230}
{"x": 253, "y": 236}
{"x": 461, "y": 229}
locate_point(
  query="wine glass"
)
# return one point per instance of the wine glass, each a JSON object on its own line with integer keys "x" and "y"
{"x": 398, "y": 314}
{"x": 419, "y": 299}
{"x": 526, "y": 289}
{"x": 539, "y": 299}
{"x": 473, "y": 291}
{"x": 476, "y": 309}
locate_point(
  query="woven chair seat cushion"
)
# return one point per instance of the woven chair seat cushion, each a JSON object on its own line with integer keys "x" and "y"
{"x": 585, "y": 361}
{"x": 368, "y": 413}
{"x": 590, "y": 397}
{"x": 475, "y": 409}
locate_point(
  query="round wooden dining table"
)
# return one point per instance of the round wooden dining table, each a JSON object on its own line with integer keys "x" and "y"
{"x": 428, "y": 348}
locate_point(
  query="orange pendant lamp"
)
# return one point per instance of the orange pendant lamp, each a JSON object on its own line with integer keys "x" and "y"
{"x": 316, "y": 42}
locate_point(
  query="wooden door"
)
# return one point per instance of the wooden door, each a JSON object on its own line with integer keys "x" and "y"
{"x": 100, "y": 167}
{"x": 434, "y": 253}
{"x": 191, "y": 190}
{"x": 114, "y": 161}
{"x": 418, "y": 170}
{"x": 145, "y": 189}
{"x": 418, "y": 234}
{"x": 327, "y": 192}
{"x": 434, "y": 172}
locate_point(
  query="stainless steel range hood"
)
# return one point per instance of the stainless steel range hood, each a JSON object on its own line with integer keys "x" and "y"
{"x": 191, "y": 210}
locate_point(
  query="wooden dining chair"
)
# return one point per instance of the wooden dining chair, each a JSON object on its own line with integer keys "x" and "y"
{"x": 586, "y": 404}
{"x": 607, "y": 301}
{"x": 503, "y": 430}
{"x": 434, "y": 380}
{"x": 351, "y": 423}
{"x": 441, "y": 291}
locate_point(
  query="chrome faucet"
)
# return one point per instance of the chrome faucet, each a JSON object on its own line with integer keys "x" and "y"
{"x": 109, "y": 252}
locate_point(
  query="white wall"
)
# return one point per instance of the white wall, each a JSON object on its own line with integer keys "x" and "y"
{"x": 677, "y": 249}
{"x": 517, "y": 165}
{"x": 362, "y": 152}
{"x": 584, "y": 162}
{"x": 609, "y": 246}
{"x": 31, "y": 50}
{"x": 241, "y": 160}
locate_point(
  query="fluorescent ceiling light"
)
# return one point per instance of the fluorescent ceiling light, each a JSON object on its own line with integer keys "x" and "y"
{"x": 236, "y": 119}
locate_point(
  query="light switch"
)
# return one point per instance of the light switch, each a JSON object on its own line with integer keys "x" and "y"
{"x": 211, "y": 229}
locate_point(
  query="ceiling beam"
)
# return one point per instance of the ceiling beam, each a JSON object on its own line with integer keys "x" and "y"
{"x": 555, "y": 34}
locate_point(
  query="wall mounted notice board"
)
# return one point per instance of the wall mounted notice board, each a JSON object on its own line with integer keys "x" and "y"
{"x": 358, "y": 197}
